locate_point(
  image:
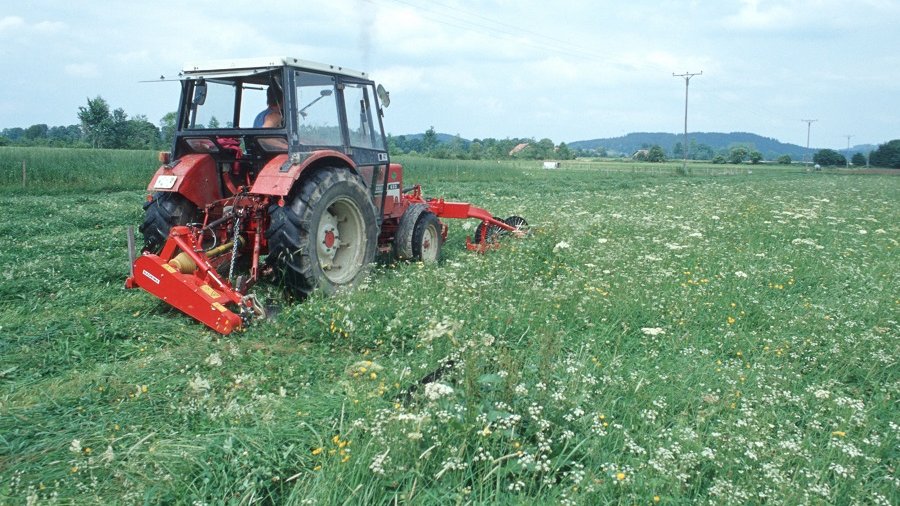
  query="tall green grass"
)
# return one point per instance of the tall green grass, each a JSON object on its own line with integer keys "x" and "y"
{"x": 54, "y": 170}
{"x": 711, "y": 340}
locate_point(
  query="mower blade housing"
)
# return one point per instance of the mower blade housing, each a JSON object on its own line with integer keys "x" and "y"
{"x": 187, "y": 292}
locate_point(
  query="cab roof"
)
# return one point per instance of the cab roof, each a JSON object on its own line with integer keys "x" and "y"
{"x": 248, "y": 65}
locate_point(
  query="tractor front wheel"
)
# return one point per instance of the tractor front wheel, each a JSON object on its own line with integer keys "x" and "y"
{"x": 326, "y": 235}
{"x": 164, "y": 211}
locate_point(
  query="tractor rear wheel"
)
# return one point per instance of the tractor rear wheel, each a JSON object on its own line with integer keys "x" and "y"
{"x": 164, "y": 211}
{"x": 326, "y": 235}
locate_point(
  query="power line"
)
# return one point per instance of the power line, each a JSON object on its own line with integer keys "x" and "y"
{"x": 847, "y": 158}
{"x": 809, "y": 123}
{"x": 687, "y": 81}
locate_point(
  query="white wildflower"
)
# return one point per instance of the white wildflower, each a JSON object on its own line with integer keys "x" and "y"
{"x": 740, "y": 274}
{"x": 561, "y": 245}
{"x": 652, "y": 331}
{"x": 75, "y": 447}
{"x": 214, "y": 360}
{"x": 198, "y": 384}
{"x": 434, "y": 391}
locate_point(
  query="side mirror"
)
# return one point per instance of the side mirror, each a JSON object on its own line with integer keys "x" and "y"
{"x": 384, "y": 96}
{"x": 200, "y": 92}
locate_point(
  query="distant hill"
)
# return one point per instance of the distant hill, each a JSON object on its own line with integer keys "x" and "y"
{"x": 716, "y": 141}
{"x": 628, "y": 144}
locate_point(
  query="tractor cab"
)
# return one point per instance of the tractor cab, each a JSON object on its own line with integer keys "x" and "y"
{"x": 322, "y": 107}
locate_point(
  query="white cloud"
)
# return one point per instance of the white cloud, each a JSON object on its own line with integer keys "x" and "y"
{"x": 10, "y": 23}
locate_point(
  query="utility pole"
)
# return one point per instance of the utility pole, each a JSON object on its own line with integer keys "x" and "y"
{"x": 848, "y": 150}
{"x": 687, "y": 81}
{"x": 809, "y": 123}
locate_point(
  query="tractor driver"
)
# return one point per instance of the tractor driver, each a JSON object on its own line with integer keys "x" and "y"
{"x": 271, "y": 117}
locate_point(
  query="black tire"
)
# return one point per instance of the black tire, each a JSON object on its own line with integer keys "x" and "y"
{"x": 326, "y": 235}
{"x": 490, "y": 236}
{"x": 163, "y": 212}
{"x": 427, "y": 239}
{"x": 403, "y": 239}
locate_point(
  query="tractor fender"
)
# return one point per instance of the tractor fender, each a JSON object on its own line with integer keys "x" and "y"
{"x": 193, "y": 176}
{"x": 279, "y": 175}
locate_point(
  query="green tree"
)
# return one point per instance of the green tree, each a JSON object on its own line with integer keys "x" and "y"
{"x": 755, "y": 157}
{"x": 142, "y": 134}
{"x": 784, "y": 159}
{"x": 36, "y": 132}
{"x": 738, "y": 154}
{"x": 96, "y": 121}
{"x": 703, "y": 152}
{"x": 829, "y": 158}
{"x": 117, "y": 135}
{"x": 886, "y": 155}
{"x": 564, "y": 153}
{"x": 167, "y": 128}
{"x": 656, "y": 154}
{"x": 476, "y": 150}
{"x": 429, "y": 140}
{"x": 858, "y": 160}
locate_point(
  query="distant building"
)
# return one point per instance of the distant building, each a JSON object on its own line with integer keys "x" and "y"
{"x": 551, "y": 165}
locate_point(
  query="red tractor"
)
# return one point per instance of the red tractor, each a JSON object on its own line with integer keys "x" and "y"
{"x": 303, "y": 191}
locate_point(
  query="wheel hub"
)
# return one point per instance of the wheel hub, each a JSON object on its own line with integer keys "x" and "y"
{"x": 329, "y": 238}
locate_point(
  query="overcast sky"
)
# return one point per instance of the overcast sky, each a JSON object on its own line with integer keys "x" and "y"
{"x": 568, "y": 70}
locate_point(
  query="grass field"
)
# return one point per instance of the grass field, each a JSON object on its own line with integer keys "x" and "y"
{"x": 720, "y": 339}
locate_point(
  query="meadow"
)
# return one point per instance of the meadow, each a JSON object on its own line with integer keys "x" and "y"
{"x": 719, "y": 338}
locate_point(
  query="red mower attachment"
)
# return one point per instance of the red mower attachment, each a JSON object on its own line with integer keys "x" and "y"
{"x": 488, "y": 233}
{"x": 183, "y": 276}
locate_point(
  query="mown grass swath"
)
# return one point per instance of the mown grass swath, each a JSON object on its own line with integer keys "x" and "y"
{"x": 694, "y": 339}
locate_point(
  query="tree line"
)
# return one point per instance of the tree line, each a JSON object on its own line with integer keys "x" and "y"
{"x": 886, "y": 155}
{"x": 434, "y": 145}
{"x": 101, "y": 127}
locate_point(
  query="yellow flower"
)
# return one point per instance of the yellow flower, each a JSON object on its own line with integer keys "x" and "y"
{"x": 620, "y": 476}
{"x": 839, "y": 433}
{"x": 656, "y": 498}
{"x": 317, "y": 451}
